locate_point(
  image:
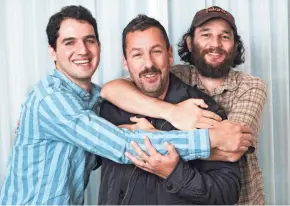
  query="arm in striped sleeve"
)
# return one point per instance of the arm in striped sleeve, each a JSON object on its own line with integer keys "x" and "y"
{"x": 63, "y": 117}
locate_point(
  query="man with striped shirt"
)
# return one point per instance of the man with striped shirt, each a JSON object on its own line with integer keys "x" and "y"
{"x": 59, "y": 135}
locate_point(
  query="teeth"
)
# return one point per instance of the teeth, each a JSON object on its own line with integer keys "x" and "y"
{"x": 149, "y": 75}
{"x": 214, "y": 54}
{"x": 81, "y": 61}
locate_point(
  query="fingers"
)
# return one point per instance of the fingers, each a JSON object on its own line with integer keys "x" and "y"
{"x": 139, "y": 151}
{"x": 149, "y": 147}
{"x": 247, "y": 137}
{"x": 211, "y": 115}
{"x": 127, "y": 126}
{"x": 246, "y": 129}
{"x": 135, "y": 160}
{"x": 246, "y": 143}
{"x": 199, "y": 102}
{"x": 134, "y": 119}
{"x": 242, "y": 149}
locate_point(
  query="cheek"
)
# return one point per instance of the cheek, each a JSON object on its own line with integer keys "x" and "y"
{"x": 68, "y": 53}
{"x": 134, "y": 69}
{"x": 95, "y": 51}
{"x": 137, "y": 65}
{"x": 229, "y": 46}
{"x": 65, "y": 54}
{"x": 161, "y": 61}
{"x": 201, "y": 42}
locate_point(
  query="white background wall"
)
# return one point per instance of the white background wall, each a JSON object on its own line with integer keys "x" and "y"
{"x": 263, "y": 25}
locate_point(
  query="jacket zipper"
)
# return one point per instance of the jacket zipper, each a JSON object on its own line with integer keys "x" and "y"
{"x": 128, "y": 186}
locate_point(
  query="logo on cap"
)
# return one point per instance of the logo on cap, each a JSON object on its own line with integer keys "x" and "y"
{"x": 216, "y": 9}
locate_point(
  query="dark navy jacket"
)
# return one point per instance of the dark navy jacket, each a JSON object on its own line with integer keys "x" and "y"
{"x": 193, "y": 182}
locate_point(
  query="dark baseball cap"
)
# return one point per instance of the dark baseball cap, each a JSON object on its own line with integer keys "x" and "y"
{"x": 212, "y": 12}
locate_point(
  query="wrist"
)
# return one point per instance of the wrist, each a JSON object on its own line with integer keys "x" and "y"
{"x": 212, "y": 139}
{"x": 167, "y": 112}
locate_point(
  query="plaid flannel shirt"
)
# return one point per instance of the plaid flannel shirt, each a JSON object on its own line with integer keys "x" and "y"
{"x": 243, "y": 97}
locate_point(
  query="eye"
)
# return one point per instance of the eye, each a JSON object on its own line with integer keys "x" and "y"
{"x": 205, "y": 35}
{"x": 135, "y": 55}
{"x": 226, "y": 37}
{"x": 157, "y": 51}
{"x": 91, "y": 41}
{"x": 69, "y": 43}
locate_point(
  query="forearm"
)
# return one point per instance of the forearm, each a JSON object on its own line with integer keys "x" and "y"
{"x": 249, "y": 109}
{"x": 190, "y": 145}
{"x": 219, "y": 184}
{"x": 98, "y": 136}
{"x": 124, "y": 94}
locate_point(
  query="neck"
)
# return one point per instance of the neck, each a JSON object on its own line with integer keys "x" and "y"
{"x": 162, "y": 96}
{"x": 210, "y": 84}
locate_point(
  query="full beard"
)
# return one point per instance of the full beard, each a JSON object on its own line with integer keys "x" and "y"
{"x": 208, "y": 70}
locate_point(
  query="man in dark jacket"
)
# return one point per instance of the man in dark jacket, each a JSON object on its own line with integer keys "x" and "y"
{"x": 147, "y": 57}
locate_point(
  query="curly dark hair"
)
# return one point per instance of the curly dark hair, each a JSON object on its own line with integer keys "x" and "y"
{"x": 69, "y": 12}
{"x": 185, "y": 54}
{"x": 141, "y": 23}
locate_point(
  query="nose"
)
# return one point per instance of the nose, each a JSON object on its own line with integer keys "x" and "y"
{"x": 215, "y": 41}
{"x": 81, "y": 48}
{"x": 148, "y": 61}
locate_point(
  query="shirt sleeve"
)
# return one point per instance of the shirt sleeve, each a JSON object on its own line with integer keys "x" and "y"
{"x": 249, "y": 106}
{"x": 205, "y": 182}
{"x": 64, "y": 117}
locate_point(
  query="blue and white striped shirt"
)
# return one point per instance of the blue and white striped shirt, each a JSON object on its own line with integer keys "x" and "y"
{"x": 59, "y": 137}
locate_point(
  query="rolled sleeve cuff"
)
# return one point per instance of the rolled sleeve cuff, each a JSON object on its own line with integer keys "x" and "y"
{"x": 198, "y": 144}
{"x": 173, "y": 182}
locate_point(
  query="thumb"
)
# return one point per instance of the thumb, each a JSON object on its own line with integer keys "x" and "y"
{"x": 134, "y": 119}
{"x": 199, "y": 102}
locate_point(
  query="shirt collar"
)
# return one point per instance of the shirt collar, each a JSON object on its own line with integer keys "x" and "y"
{"x": 76, "y": 88}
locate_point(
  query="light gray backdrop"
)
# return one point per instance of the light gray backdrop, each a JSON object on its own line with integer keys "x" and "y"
{"x": 263, "y": 25}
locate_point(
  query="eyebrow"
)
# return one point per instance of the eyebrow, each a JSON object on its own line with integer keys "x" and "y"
{"x": 223, "y": 31}
{"x": 139, "y": 49}
{"x": 155, "y": 46}
{"x": 68, "y": 39}
{"x": 90, "y": 36}
{"x": 204, "y": 29}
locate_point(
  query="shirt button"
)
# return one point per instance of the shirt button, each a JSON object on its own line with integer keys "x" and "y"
{"x": 169, "y": 186}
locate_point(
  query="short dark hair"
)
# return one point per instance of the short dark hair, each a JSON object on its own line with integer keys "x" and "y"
{"x": 185, "y": 54}
{"x": 69, "y": 12}
{"x": 142, "y": 22}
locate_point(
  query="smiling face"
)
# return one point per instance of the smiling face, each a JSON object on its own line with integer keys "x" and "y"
{"x": 213, "y": 48}
{"x": 148, "y": 61}
{"x": 77, "y": 51}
